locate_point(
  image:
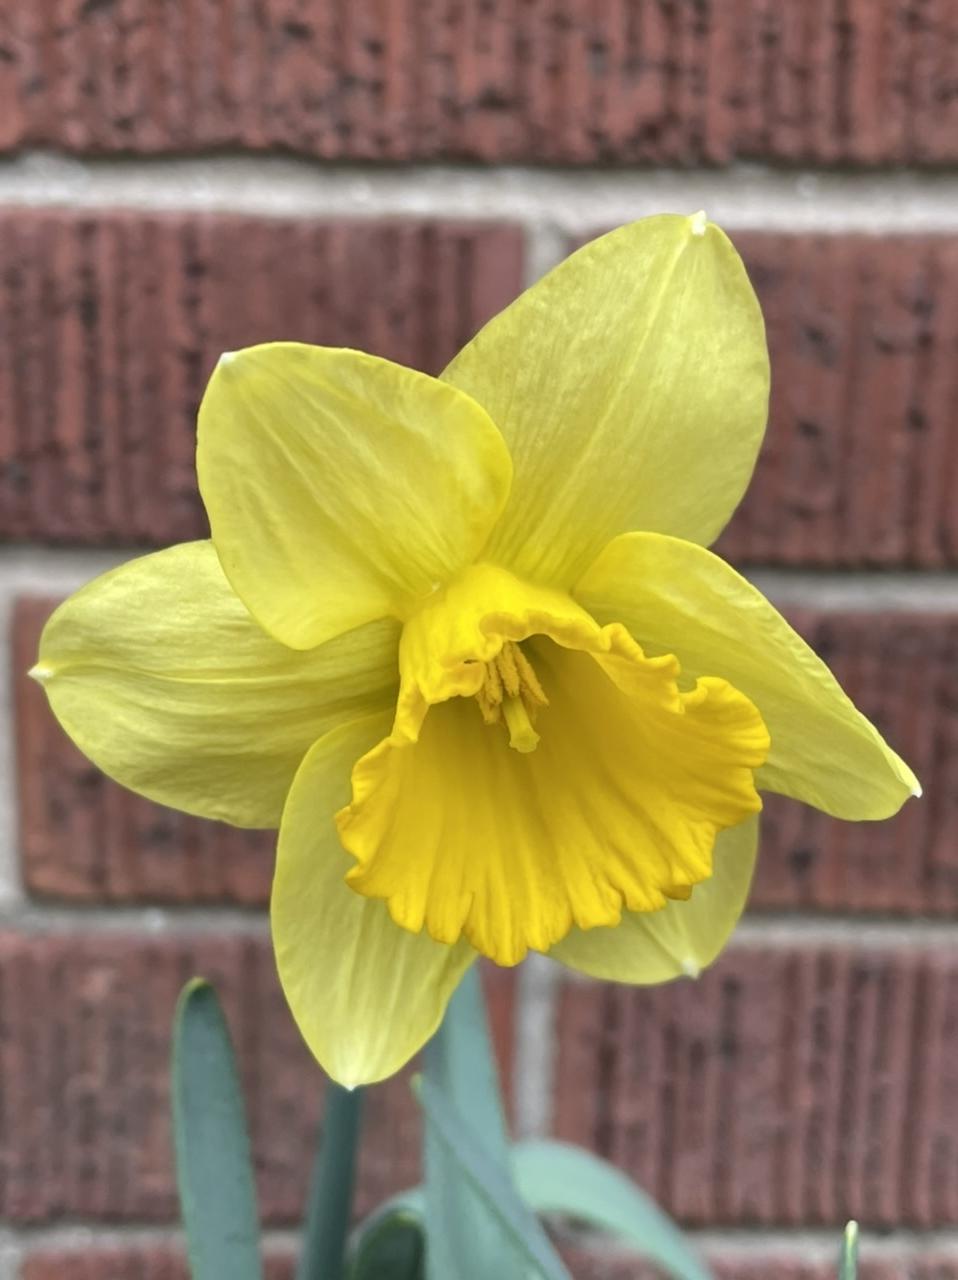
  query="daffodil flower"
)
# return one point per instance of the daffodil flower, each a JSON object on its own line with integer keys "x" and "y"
{"x": 460, "y": 639}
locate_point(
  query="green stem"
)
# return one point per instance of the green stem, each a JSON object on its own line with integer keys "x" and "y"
{"x": 329, "y": 1210}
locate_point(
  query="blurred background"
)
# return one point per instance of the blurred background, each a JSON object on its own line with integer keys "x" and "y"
{"x": 183, "y": 177}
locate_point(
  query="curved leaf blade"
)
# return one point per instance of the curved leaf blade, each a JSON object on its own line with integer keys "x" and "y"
{"x": 391, "y": 1243}
{"x": 520, "y": 1231}
{"x": 555, "y": 1177}
{"x": 462, "y": 1239}
{"x": 214, "y": 1172}
{"x": 848, "y": 1258}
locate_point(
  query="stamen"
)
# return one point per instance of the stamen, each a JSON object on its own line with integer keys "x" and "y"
{"x": 511, "y": 690}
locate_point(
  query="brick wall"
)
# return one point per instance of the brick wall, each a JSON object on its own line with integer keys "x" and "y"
{"x": 177, "y": 179}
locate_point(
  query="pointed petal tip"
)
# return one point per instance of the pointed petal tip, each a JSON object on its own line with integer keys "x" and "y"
{"x": 698, "y": 222}
{"x": 691, "y": 968}
{"x": 917, "y": 791}
{"x": 41, "y": 673}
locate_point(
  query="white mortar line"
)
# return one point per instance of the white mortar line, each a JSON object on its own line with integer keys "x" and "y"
{"x": 17, "y": 1242}
{"x": 182, "y": 920}
{"x": 534, "y": 1059}
{"x": 816, "y": 1244}
{"x": 731, "y": 1242}
{"x": 763, "y": 929}
{"x": 860, "y": 592}
{"x": 29, "y": 571}
{"x": 570, "y": 200}
{"x": 865, "y": 932}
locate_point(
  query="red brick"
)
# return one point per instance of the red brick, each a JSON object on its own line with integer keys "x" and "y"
{"x": 781, "y": 1262}
{"x": 115, "y": 320}
{"x": 112, "y": 323}
{"x": 786, "y": 1086}
{"x": 83, "y": 838}
{"x": 158, "y": 1262}
{"x": 902, "y": 670}
{"x": 620, "y": 81}
{"x": 84, "y": 1045}
{"x": 860, "y": 462}
{"x": 143, "y": 1262}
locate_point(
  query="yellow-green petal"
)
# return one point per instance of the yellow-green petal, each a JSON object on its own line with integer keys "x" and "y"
{"x": 678, "y": 598}
{"x": 341, "y": 487}
{"x": 160, "y": 676}
{"x": 365, "y": 993}
{"x": 631, "y": 386}
{"x": 681, "y": 939}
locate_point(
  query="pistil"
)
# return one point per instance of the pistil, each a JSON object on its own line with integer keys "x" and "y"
{"x": 511, "y": 691}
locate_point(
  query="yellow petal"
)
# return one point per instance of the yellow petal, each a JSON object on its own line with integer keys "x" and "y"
{"x": 365, "y": 994}
{"x": 631, "y": 386}
{"x": 160, "y": 676}
{"x": 685, "y": 936}
{"x": 678, "y": 598}
{"x": 613, "y": 800}
{"x": 340, "y": 486}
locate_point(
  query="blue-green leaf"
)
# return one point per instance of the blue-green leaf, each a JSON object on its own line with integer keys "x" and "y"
{"x": 214, "y": 1173}
{"x": 463, "y": 1240}
{"x": 329, "y": 1207}
{"x": 554, "y": 1177}
{"x": 848, "y": 1258}
{"x": 462, "y": 1065}
{"x": 391, "y": 1243}
{"x": 468, "y": 1161}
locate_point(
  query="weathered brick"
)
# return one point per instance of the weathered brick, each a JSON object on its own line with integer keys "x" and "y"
{"x": 902, "y": 670}
{"x": 135, "y": 1262}
{"x": 84, "y": 1045}
{"x": 786, "y": 1086}
{"x": 84, "y": 838}
{"x": 764, "y": 1260}
{"x": 110, "y": 324}
{"x": 859, "y": 466}
{"x": 157, "y": 1262}
{"x": 618, "y": 81}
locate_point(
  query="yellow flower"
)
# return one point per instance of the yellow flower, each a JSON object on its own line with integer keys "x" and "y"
{"x": 428, "y": 642}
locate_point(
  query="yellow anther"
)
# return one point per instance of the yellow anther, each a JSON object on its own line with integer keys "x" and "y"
{"x": 511, "y": 689}
{"x": 532, "y": 691}
{"x": 508, "y": 669}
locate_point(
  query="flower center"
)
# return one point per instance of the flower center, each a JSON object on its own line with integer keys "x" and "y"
{"x": 511, "y": 692}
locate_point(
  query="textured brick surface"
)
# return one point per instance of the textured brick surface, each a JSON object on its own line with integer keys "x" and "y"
{"x": 860, "y": 465}
{"x": 110, "y": 325}
{"x": 901, "y": 669}
{"x": 87, "y": 838}
{"x": 563, "y": 80}
{"x": 83, "y": 837}
{"x": 781, "y": 1263}
{"x": 147, "y": 1262}
{"x": 84, "y": 1044}
{"x": 774, "y": 1263}
{"x": 785, "y": 1086}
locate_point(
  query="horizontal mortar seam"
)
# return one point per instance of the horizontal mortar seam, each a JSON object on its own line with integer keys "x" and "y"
{"x": 570, "y": 200}
{"x": 35, "y": 917}
{"x": 90, "y": 1234}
